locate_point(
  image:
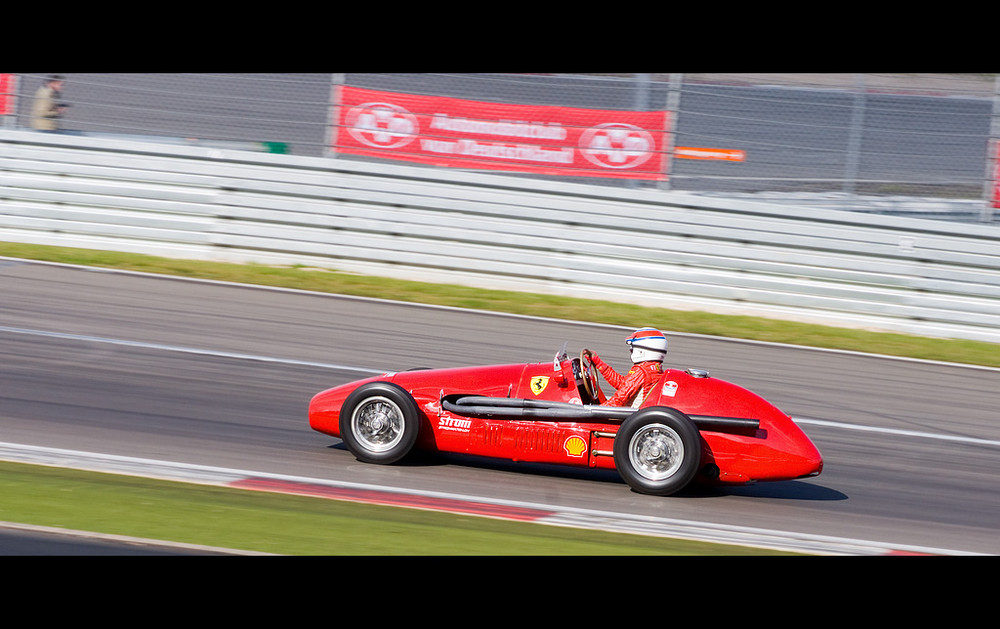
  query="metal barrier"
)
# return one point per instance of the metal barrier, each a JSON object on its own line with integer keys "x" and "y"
{"x": 657, "y": 248}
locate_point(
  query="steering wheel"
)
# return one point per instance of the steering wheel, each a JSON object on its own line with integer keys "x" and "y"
{"x": 589, "y": 373}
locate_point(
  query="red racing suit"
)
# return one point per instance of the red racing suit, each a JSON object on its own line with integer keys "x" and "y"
{"x": 632, "y": 388}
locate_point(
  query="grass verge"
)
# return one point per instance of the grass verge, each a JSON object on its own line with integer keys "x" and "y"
{"x": 296, "y": 525}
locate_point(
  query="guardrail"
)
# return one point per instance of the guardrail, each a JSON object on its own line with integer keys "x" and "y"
{"x": 652, "y": 247}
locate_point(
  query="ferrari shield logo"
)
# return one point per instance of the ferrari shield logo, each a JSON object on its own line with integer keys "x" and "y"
{"x": 538, "y": 384}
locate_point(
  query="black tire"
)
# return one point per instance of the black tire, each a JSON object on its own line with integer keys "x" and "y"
{"x": 379, "y": 422}
{"x": 657, "y": 451}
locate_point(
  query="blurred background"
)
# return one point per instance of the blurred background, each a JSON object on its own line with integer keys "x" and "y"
{"x": 914, "y": 144}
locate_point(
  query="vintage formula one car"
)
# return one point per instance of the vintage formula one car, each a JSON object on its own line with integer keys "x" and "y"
{"x": 693, "y": 427}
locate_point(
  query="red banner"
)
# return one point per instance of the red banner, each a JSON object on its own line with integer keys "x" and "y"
{"x": 996, "y": 174}
{"x": 8, "y": 91}
{"x": 549, "y": 140}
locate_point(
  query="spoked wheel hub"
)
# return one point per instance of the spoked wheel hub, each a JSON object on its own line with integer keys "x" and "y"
{"x": 656, "y": 451}
{"x": 378, "y": 423}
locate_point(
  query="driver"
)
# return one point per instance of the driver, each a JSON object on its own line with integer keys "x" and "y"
{"x": 648, "y": 348}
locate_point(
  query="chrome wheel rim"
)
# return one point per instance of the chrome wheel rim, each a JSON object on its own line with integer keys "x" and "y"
{"x": 656, "y": 452}
{"x": 377, "y": 423}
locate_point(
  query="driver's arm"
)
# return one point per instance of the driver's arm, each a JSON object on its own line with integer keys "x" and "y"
{"x": 614, "y": 378}
{"x": 630, "y": 387}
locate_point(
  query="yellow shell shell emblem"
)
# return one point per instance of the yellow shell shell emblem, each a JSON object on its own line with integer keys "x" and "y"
{"x": 575, "y": 446}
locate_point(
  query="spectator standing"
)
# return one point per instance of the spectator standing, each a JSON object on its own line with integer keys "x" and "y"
{"x": 48, "y": 107}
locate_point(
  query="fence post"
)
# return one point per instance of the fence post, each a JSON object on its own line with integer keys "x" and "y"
{"x": 640, "y": 102}
{"x": 992, "y": 157}
{"x": 855, "y": 133}
{"x": 673, "y": 108}
{"x": 333, "y": 109}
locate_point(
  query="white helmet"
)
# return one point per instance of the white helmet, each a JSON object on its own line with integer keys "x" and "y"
{"x": 647, "y": 344}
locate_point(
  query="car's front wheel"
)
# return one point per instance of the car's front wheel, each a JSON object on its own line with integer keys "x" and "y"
{"x": 379, "y": 422}
{"x": 657, "y": 451}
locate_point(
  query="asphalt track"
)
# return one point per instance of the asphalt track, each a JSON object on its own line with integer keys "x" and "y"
{"x": 220, "y": 375}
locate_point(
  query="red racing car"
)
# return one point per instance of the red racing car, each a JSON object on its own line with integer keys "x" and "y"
{"x": 692, "y": 427}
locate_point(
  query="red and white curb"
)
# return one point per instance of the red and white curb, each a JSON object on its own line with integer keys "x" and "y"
{"x": 460, "y": 504}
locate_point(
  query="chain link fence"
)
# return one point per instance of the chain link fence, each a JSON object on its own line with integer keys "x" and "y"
{"x": 921, "y": 144}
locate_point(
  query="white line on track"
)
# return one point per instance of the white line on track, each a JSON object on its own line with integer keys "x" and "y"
{"x": 187, "y": 350}
{"x": 898, "y": 432}
{"x": 370, "y": 371}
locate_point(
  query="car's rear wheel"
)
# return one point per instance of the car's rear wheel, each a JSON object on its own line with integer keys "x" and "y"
{"x": 657, "y": 451}
{"x": 379, "y": 422}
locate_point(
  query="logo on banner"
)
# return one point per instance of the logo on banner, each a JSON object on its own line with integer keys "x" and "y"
{"x": 617, "y": 145}
{"x": 382, "y": 125}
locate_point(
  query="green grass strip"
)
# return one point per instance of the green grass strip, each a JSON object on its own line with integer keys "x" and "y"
{"x": 730, "y": 326}
{"x": 296, "y": 525}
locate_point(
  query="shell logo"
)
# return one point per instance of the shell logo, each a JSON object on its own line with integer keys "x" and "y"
{"x": 575, "y": 446}
{"x": 381, "y": 125}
